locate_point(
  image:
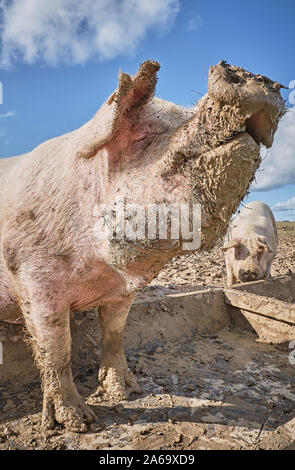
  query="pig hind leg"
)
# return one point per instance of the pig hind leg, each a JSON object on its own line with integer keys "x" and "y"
{"x": 115, "y": 378}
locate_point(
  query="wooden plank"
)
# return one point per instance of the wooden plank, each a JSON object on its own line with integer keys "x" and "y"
{"x": 270, "y": 330}
{"x": 266, "y": 306}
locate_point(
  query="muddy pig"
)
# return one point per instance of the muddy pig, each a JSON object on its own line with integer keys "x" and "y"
{"x": 56, "y": 254}
{"x": 252, "y": 244}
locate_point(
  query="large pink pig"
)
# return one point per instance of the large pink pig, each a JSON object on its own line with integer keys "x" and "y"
{"x": 54, "y": 256}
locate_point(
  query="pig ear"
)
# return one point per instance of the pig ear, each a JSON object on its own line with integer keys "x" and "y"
{"x": 131, "y": 95}
{"x": 261, "y": 242}
{"x": 231, "y": 244}
{"x": 134, "y": 92}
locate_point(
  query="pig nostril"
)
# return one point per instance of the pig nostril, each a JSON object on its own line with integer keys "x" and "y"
{"x": 252, "y": 274}
{"x": 248, "y": 275}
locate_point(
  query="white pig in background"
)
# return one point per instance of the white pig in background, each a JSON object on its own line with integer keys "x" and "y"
{"x": 251, "y": 244}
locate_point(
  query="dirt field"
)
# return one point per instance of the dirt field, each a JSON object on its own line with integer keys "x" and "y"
{"x": 209, "y": 269}
{"x": 209, "y": 391}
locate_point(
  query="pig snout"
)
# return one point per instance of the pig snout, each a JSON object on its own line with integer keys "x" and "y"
{"x": 246, "y": 275}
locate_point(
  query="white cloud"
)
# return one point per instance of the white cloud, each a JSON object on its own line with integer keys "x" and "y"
{"x": 285, "y": 205}
{"x": 278, "y": 167}
{"x": 8, "y": 114}
{"x": 74, "y": 31}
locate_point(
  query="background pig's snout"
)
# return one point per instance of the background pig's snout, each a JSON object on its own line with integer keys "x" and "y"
{"x": 248, "y": 275}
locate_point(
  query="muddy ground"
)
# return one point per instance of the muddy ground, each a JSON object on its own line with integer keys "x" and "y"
{"x": 210, "y": 391}
{"x": 209, "y": 269}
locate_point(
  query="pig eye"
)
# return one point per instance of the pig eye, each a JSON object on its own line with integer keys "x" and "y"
{"x": 141, "y": 133}
{"x": 141, "y": 137}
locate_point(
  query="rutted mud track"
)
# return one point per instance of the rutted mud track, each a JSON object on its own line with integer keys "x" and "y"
{"x": 210, "y": 391}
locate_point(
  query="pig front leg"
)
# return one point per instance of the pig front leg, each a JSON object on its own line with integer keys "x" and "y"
{"x": 49, "y": 329}
{"x": 229, "y": 275}
{"x": 116, "y": 380}
{"x": 268, "y": 269}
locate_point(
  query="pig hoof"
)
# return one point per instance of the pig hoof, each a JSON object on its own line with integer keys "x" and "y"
{"x": 74, "y": 417}
{"x": 117, "y": 384}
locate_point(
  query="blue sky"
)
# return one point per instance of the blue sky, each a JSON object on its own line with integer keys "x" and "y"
{"x": 60, "y": 59}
